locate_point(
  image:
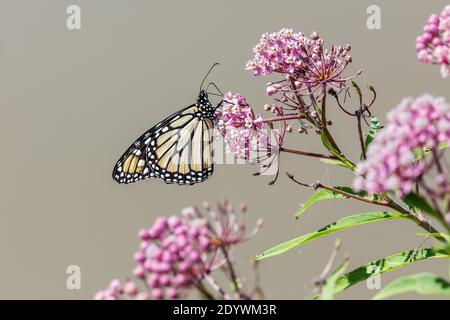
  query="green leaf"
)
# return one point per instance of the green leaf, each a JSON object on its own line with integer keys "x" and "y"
{"x": 375, "y": 126}
{"x": 324, "y": 194}
{"x": 333, "y": 162}
{"x": 422, "y": 283}
{"x": 418, "y": 203}
{"x": 344, "y": 223}
{"x": 327, "y": 144}
{"x": 435, "y": 235}
{"x": 443, "y": 248}
{"x": 329, "y": 285}
{"x": 386, "y": 264}
{"x": 420, "y": 153}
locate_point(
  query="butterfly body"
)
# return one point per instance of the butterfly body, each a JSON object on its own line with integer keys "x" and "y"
{"x": 176, "y": 150}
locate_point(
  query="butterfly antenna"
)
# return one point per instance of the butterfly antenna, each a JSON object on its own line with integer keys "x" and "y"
{"x": 207, "y": 74}
{"x": 214, "y": 94}
{"x": 215, "y": 86}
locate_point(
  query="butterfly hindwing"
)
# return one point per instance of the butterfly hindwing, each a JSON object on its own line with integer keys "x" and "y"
{"x": 133, "y": 165}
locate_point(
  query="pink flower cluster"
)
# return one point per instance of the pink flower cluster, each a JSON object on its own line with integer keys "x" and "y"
{"x": 303, "y": 59}
{"x": 391, "y": 164}
{"x": 433, "y": 45}
{"x": 243, "y": 131}
{"x": 116, "y": 291}
{"x": 172, "y": 254}
{"x": 177, "y": 253}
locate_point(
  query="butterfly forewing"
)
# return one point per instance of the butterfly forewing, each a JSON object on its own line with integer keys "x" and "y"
{"x": 177, "y": 150}
{"x": 181, "y": 152}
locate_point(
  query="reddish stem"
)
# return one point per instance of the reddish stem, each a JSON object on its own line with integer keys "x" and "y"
{"x": 296, "y": 117}
{"x": 308, "y": 154}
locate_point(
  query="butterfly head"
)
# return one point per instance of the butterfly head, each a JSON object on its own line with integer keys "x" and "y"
{"x": 202, "y": 97}
{"x": 203, "y": 100}
{"x": 205, "y": 107}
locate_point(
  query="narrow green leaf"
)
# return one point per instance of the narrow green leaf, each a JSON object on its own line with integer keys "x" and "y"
{"x": 375, "y": 126}
{"x": 344, "y": 223}
{"x": 386, "y": 264}
{"x": 333, "y": 162}
{"x": 327, "y": 144}
{"x": 442, "y": 248}
{"x": 421, "y": 283}
{"x": 417, "y": 203}
{"x": 434, "y": 234}
{"x": 323, "y": 194}
{"x": 329, "y": 285}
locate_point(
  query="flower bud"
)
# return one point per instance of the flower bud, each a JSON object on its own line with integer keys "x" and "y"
{"x": 130, "y": 288}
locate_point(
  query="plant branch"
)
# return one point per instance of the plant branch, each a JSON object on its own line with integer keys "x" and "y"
{"x": 301, "y": 103}
{"x": 320, "y": 280}
{"x": 217, "y": 287}
{"x": 421, "y": 223}
{"x": 308, "y": 154}
{"x": 233, "y": 274}
{"x": 204, "y": 291}
{"x": 318, "y": 185}
{"x": 296, "y": 117}
{"x": 361, "y": 137}
{"x": 388, "y": 203}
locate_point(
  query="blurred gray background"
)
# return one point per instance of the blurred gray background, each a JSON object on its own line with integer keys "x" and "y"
{"x": 72, "y": 101}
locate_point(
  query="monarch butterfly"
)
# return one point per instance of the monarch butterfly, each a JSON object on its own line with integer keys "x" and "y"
{"x": 176, "y": 150}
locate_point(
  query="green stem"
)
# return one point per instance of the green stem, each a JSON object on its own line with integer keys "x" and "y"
{"x": 421, "y": 223}
{"x": 361, "y": 138}
{"x": 205, "y": 291}
{"x": 324, "y": 120}
{"x": 233, "y": 275}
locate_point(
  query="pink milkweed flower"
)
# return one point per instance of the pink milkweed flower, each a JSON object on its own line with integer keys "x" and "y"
{"x": 229, "y": 225}
{"x": 391, "y": 165}
{"x": 113, "y": 292}
{"x": 242, "y": 130}
{"x": 305, "y": 61}
{"x": 433, "y": 45}
{"x": 180, "y": 251}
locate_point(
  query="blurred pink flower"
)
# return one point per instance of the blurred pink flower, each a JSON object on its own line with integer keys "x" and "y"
{"x": 391, "y": 165}
{"x": 178, "y": 252}
{"x": 173, "y": 254}
{"x": 433, "y": 45}
{"x": 116, "y": 290}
